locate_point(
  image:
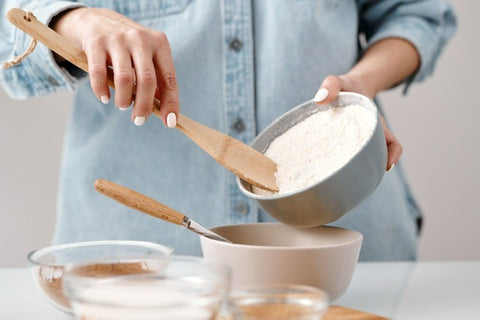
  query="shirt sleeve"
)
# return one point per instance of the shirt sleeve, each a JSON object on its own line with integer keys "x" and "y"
{"x": 38, "y": 74}
{"x": 427, "y": 24}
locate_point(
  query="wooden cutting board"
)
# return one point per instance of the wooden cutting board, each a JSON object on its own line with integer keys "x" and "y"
{"x": 339, "y": 313}
{"x": 342, "y": 313}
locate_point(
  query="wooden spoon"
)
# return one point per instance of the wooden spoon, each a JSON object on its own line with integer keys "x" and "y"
{"x": 241, "y": 159}
{"x": 141, "y": 202}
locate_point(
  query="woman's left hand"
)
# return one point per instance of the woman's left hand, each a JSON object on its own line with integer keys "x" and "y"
{"x": 329, "y": 90}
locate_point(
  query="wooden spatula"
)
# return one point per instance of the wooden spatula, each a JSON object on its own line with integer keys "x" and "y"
{"x": 244, "y": 161}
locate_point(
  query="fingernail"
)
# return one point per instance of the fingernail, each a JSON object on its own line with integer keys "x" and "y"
{"x": 122, "y": 109}
{"x": 105, "y": 99}
{"x": 391, "y": 167}
{"x": 320, "y": 95}
{"x": 171, "y": 120}
{"x": 139, "y": 121}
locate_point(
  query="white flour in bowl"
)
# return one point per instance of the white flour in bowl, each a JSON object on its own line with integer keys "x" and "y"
{"x": 318, "y": 146}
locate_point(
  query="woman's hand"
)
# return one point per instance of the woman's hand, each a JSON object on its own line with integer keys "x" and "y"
{"x": 384, "y": 64}
{"x": 137, "y": 55}
{"x": 329, "y": 90}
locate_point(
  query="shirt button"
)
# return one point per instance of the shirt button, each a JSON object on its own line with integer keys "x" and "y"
{"x": 239, "y": 125}
{"x": 242, "y": 208}
{"x": 53, "y": 81}
{"x": 236, "y": 45}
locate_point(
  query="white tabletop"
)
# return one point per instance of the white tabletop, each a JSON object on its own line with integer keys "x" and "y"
{"x": 398, "y": 290}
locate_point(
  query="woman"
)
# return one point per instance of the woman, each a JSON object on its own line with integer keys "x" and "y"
{"x": 234, "y": 66}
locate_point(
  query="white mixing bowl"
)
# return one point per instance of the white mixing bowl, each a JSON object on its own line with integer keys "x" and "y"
{"x": 273, "y": 253}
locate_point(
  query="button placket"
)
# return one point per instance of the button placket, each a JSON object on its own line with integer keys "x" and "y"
{"x": 239, "y": 95}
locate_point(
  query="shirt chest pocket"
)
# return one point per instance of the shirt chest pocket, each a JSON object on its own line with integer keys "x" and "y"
{"x": 139, "y": 10}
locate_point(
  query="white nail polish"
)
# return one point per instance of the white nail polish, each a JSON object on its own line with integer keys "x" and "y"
{"x": 321, "y": 95}
{"x": 171, "y": 120}
{"x": 122, "y": 109}
{"x": 139, "y": 121}
{"x": 104, "y": 99}
{"x": 391, "y": 167}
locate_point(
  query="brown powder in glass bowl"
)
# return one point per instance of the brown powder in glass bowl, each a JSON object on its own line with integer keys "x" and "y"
{"x": 50, "y": 278}
{"x": 277, "y": 312}
{"x": 271, "y": 304}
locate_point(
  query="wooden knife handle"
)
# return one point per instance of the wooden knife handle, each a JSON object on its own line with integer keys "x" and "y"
{"x": 138, "y": 201}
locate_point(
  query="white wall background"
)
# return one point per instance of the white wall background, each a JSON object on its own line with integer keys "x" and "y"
{"x": 437, "y": 124}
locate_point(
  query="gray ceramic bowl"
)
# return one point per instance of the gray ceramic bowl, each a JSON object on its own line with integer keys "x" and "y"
{"x": 330, "y": 198}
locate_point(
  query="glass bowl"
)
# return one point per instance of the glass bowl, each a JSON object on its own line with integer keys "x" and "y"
{"x": 182, "y": 287}
{"x": 101, "y": 258}
{"x": 278, "y": 302}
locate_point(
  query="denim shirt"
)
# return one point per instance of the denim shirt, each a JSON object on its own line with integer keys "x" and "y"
{"x": 240, "y": 64}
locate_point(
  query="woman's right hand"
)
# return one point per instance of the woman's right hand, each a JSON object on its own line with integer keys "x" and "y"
{"x": 137, "y": 55}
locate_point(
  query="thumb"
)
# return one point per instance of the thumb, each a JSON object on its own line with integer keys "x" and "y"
{"x": 329, "y": 90}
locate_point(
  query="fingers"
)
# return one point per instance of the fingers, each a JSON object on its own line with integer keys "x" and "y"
{"x": 329, "y": 90}
{"x": 146, "y": 86}
{"x": 332, "y": 85}
{"x": 123, "y": 77}
{"x": 142, "y": 64}
{"x": 97, "y": 68}
{"x": 167, "y": 82}
{"x": 394, "y": 147}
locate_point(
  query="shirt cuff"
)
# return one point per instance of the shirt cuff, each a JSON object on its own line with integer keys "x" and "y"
{"x": 420, "y": 35}
{"x": 48, "y": 76}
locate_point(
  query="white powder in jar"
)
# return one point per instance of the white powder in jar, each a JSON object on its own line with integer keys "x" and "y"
{"x": 151, "y": 300}
{"x": 318, "y": 146}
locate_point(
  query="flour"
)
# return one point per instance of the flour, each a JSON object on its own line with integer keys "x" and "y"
{"x": 149, "y": 301}
{"x": 318, "y": 146}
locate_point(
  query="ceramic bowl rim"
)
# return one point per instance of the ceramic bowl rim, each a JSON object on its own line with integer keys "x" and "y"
{"x": 358, "y": 238}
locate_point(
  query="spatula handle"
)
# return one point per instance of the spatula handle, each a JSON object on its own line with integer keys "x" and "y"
{"x": 138, "y": 201}
{"x": 40, "y": 32}
{"x": 58, "y": 44}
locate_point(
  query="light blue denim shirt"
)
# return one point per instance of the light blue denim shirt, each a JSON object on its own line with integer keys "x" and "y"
{"x": 240, "y": 64}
